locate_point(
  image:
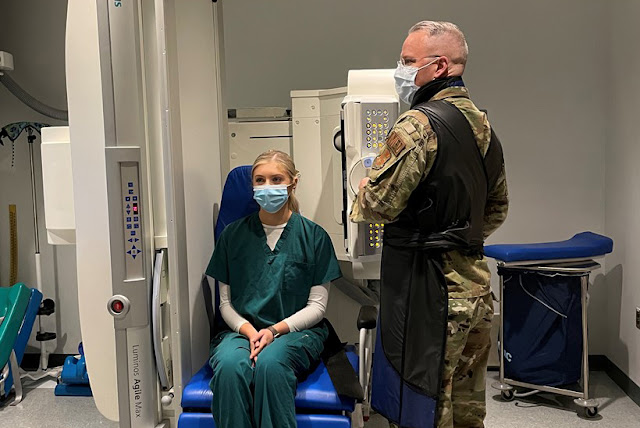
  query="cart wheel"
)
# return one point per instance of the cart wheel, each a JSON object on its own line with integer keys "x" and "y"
{"x": 590, "y": 412}
{"x": 508, "y": 395}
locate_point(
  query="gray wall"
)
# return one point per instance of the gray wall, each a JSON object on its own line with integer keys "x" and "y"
{"x": 538, "y": 68}
{"x": 33, "y": 31}
{"x": 623, "y": 190}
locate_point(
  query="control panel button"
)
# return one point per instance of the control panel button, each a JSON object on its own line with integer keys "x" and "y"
{"x": 117, "y": 306}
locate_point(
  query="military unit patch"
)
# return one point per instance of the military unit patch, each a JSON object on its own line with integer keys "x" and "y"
{"x": 395, "y": 144}
{"x": 408, "y": 126}
{"x": 382, "y": 159}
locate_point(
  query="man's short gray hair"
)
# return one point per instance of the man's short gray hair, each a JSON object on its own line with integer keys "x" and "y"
{"x": 439, "y": 28}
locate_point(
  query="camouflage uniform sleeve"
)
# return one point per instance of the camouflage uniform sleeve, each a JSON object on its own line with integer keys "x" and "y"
{"x": 406, "y": 158}
{"x": 495, "y": 211}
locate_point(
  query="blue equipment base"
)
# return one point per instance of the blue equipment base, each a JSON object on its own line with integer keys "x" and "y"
{"x": 74, "y": 380}
{"x": 73, "y": 390}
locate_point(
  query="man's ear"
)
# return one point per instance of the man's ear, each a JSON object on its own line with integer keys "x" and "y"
{"x": 443, "y": 67}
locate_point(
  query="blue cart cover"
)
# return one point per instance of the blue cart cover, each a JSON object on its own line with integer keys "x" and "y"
{"x": 542, "y": 327}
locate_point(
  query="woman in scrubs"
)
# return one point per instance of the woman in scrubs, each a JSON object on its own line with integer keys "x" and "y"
{"x": 274, "y": 268}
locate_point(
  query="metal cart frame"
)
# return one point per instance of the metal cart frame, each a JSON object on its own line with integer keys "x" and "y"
{"x": 588, "y": 406}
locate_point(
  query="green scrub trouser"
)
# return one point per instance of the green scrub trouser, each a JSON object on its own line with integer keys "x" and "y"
{"x": 262, "y": 396}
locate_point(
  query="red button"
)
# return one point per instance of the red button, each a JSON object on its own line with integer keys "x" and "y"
{"x": 117, "y": 306}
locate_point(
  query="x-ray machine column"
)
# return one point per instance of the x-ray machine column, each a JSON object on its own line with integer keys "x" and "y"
{"x": 128, "y": 160}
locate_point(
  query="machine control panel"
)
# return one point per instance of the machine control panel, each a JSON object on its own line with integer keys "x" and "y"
{"x": 376, "y": 124}
{"x": 377, "y": 120}
{"x": 134, "y": 268}
{"x": 376, "y": 230}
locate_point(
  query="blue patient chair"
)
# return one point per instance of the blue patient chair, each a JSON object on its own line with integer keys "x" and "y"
{"x": 18, "y": 310}
{"x": 317, "y": 403}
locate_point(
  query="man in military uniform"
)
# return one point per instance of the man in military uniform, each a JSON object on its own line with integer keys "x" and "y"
{"x": 439, "y": 184}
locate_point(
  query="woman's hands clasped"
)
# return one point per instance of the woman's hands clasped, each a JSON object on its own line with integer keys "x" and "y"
{"x": 258, "y": 342}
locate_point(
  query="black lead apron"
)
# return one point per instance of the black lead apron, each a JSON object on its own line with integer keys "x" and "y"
{"x": 410, "y": 345}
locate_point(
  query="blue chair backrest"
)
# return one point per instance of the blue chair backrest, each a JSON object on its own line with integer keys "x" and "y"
{"x": 237, "y": 202}
{"x": 237, "y": 198}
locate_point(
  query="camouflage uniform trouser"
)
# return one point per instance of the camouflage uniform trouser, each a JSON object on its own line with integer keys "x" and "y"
{"x": 462, "y": 398}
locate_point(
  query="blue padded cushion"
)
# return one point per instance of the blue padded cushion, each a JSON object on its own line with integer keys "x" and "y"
{"x": 27, "y": 323}
{"x": 14, "y": 301}
{"x": 316, "y": 392}
{"x": 205, "y": 420}
{"x": 582, "y": 245}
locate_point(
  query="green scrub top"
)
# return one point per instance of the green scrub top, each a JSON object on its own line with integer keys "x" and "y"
{"x": 267, "y": 286}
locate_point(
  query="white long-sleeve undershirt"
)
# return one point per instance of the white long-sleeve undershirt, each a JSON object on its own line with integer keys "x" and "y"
{"x": 307, "y": 317}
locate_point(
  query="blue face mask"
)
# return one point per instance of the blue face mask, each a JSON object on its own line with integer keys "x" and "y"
{"x": 271, "y": 197}
{"x": 405, "y": 77}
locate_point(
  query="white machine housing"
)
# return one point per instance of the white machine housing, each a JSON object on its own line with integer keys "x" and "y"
{"x": 253, "y": 131}
{"x": 369, "y": 111}
{"x": 315, "y": 117}
{"x": 57, "y": 183}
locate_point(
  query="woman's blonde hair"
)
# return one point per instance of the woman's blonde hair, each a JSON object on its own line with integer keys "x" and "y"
{"x": 285, "y": 161}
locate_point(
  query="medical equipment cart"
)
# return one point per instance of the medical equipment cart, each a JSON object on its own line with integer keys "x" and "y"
{"x": 551, "y": 261}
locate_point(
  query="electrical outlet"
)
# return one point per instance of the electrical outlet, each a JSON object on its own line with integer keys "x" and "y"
{"x": 637, "y": 317}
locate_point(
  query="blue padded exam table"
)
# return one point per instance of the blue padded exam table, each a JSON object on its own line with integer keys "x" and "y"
{"x": 571, "y": 257}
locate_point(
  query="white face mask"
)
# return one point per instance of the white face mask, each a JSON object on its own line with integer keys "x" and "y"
{"x": 405, "y": 77}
